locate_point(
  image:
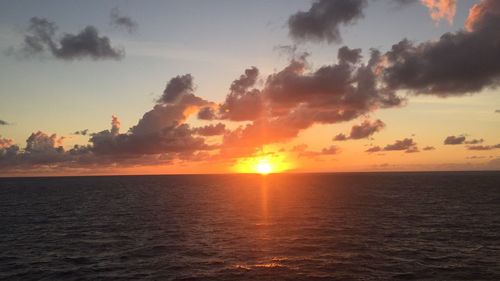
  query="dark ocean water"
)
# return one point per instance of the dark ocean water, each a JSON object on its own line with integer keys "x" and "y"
{"x": 394, "y": 226}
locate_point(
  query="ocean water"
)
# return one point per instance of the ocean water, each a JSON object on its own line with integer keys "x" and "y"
{"x": 365, "y": 226}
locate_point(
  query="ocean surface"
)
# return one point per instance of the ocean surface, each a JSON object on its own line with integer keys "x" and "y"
{"x": 353, "y": 226}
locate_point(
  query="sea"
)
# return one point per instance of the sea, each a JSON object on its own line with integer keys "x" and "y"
{"x": 338, "y": 226}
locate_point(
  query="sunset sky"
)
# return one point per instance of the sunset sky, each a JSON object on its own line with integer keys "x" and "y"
{"x": 160, "y": 87}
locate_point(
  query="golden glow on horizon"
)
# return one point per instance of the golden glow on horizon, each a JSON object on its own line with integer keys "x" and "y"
{"x": 262, "y": 164}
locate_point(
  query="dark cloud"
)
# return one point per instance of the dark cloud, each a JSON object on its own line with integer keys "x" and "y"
{"x": 475, "y": 141}
{"x": 302, "y": 151}
{"x": 41, "y": 38}
{"x": 41, "y": 149}
{"x": 177, "y": 87}
{"x": 322, "y": 21}
{"x": 429, "y": 148}
{"x": 206, "y": 113}
{"x": 122, "y": 21}
{"x": 340, "y": 137}
{"x": 363, "y": 130}
{"x": 210, "y": 130}
{"x": 295, "y": 98}
{"x": 3, "y": 123}
{"x": 330, "y": 150}
{"x": 81, "y": 132}
{"x": 454, "y": 140}
{"x": 406, "y": 144}
{"x": 243, "y": 102}
{"x": 160, "y": 130}
{"x": 374, "y": 149}
{"x": 458, "y": 63}
{"x": 160, "y": 136}
{"x": 497, "y": 111}
{"x": 405, "y": 2}
{"x": 483, "y": 147}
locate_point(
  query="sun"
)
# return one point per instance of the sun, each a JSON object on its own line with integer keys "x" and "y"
{"x": 263, "y": 167}
{"x": 270, "y": 163}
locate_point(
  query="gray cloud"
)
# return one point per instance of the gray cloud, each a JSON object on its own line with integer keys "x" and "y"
{"x": 302, "y": 151}
{"x": 374, "y": 149}
{"x": 41, "y": 38}
{"x": 406, "y": 144}
{"x": 363, "y": 130}
{"x": 322, "y": 21}
{"x": 454, "y": 140}
{"x": 295, "y": 98}
{"x": 160, "y": 136}
{"x": 210, "y": 130}
{"x": 121, "y": 21}
{"x": 330, "y": 150}
{"x": 177, "y": 87}
{"x": 429, "y": 148}
{"x": 206, "y": 113}
{"x": 405, "y": 2}
{"x": 160, "y": 130}
{"x": 340, "y": 137}
{"x": 243, "y": 102}
{"x": 483, "y": 147}
{"x": 458, "y": 63}
{"x": 497, "y": 111}
{"x": 81, "y": 132}
{"x": 4, "y": 123}
{"x": 475, "y": 141}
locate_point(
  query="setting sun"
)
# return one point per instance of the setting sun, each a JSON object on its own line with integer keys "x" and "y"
{"x": 264, "y": 167}
{"x": 263, "y": 164}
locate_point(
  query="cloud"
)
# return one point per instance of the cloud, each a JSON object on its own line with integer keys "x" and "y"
{"x": 122, "y": 21}
{"x": 322, "y": 21}
{"x": 374, "y": 149}
{"x": 177, "y": 87}
{"x": 340, "y": 137}
{"x": 206, "y": 113}
{"x": 295, "y": 98}
{"x": 429, "y": 148}
{"x": 160, "y": 130}
{"x": 459, "y": 63}
{"x": 497, "y": 111}
{"x": 5, "y": 143}
{"x": 210, "y": 130}
{"x": 81, "y": 132}
{"x": 363, "y": 130}
{"x": 41, "y": 148}
{"x": 483, "y": 147}
{"x": 441, "y": 9}
{"x": 406, "y": 144}
{"x": 4, "y": 123}
{"x": 41, "y": 38}
{"x": 160, "y": 136}
{"x": 454, "y": 140}
{"x": 243, "y": 102}
{"x": 330, "y": 150}
{"x": 475, "y": 141}
{"x": 404, "y": 2}
{"x": 481, "y": 13}
{"x": 302, "y": 151}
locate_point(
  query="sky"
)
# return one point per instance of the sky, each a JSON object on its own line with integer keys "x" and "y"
{"x": 166, "y": 87}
